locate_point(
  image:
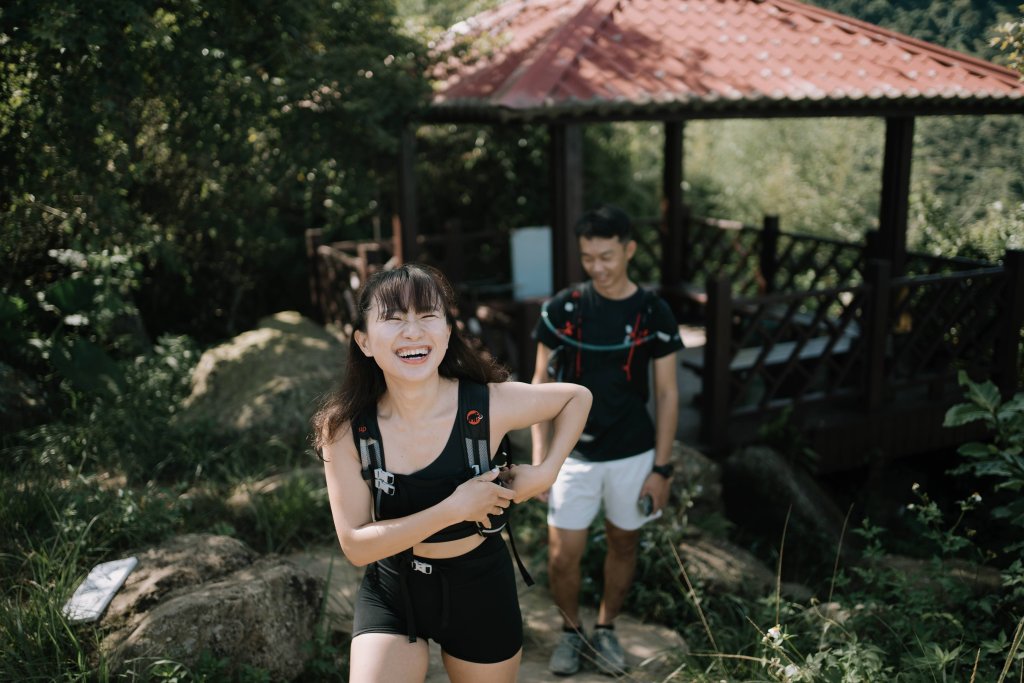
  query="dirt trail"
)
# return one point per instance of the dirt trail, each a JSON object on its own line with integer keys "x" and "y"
{"x": 650, "y": 648}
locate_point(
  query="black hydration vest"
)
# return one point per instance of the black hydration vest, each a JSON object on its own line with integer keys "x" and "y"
{"x": 565, "y": 361}
{"x": 473, "y": 428}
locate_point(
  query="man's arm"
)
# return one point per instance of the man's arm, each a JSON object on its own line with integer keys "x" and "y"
{"x": 666, "y": 407}
{"x": 666, "y": 418}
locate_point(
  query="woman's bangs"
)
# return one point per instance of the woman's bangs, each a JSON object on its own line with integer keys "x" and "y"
{"x": 416, "y": 291}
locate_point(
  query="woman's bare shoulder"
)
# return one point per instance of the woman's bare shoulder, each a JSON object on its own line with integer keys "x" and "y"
{"x": 339, "y": 444}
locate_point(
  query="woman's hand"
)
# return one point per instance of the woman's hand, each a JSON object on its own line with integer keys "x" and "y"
{"x": 481, "y": 496}
{"x": 528, "y": 481}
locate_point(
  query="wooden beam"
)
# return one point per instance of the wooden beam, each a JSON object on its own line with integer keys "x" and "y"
{"x": 673, "y": 231}
{"x": 314, "y": 238}
{"x": 876, "y": 332}
{"x": 892, "y": 219}
{"x": 715, "y": 385}
{"x": 407, "y": 244}
{"x": 567, "y": 181}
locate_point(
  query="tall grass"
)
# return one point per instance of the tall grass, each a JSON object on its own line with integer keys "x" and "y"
{"x": 114, "y": 475}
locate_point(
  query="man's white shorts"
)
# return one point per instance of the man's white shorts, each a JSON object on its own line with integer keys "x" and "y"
{"x": 582, "y": 485}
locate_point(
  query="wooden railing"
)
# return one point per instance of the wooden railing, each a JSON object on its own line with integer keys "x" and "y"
{"x": 879, "y": 342}
{"x": 338, "y": 269}
{"x": 472, "y": 260}
{"x": 768, "y": 351}
{"x": 943, "y": 322}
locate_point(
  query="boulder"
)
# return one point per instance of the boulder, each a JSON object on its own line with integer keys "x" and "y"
{"x": 182, "y": 563}
{"x": 697, "y": 479}
{"x": 200, "y": 594}
{"x": 947, "y": 581}
{"x": 268, "y": 380}
{"x": 763, "y": 489}
{"x": 718, "y": 567}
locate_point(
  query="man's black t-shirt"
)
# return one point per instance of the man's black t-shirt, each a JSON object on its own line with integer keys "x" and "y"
{"x": 638, "y": 328}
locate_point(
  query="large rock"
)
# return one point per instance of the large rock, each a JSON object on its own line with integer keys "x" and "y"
{"x": 266, "y": 380}
{"x": 718, "y": 567}
{"x": 762, "y": 489}
{"x": 698, "y": 479}
{"x": 203, "y": 593}
{"x": 180, "y": 564}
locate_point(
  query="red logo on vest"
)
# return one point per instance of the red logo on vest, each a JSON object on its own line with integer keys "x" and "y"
{"x": 362, "y": 428}
{"x": 473, "y": 417}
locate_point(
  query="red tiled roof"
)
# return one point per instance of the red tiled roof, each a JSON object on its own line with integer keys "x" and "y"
{"x": 704, "y": 58}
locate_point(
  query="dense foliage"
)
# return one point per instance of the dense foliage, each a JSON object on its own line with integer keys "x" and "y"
{"x": 195, "y": 142}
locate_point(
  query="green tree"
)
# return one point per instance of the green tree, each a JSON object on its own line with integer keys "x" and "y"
{"x": 198, "y": 137}
{"x": 1009, "y": 39}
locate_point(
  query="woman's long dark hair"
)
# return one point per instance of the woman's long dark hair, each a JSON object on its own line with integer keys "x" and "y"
{"x": 409, "y": 287}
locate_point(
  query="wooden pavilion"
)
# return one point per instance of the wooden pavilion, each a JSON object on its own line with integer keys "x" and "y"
{"x": 865, "y": 353}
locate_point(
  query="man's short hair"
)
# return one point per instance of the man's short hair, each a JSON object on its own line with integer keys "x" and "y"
{"x": 605, "y": 221}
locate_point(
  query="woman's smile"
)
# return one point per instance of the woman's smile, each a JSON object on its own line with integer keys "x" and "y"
{"x": 414, "y": 355}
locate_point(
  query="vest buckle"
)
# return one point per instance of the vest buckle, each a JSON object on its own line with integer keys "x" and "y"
{"x": 385, "y": 481}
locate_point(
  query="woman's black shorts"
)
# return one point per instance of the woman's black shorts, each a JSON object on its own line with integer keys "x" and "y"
{"x": 467, "y": 604}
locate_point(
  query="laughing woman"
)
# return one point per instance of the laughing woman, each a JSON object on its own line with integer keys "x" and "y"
{"x": 407, "y": 491}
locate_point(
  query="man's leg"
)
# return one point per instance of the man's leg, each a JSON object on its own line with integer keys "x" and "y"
{"x": 619, "y": 568}
{"x": 623, "y": 480}
{"x": 565, "y": 551}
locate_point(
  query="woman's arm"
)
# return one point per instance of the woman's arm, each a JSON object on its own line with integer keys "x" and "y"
{"x": 515, "y": 405}
{"x": 364, "y": 541}
{"x": 540, "y": 432}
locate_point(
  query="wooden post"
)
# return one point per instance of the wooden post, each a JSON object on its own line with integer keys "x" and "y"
{"x": 687, "y": 267}
{"x": 892, "y": 218}
{"x": 715, "y": 382}
{"x": 876, "y": 332}
{"x": 1007, "y": 349}
{"x": 770, "y": 252}
{"x": 567, "y": 182}
{"x": 872, "y": 247}
{"x": 407, "y": 210}
{"x": 672, "y": 207}
{"x": 314, "y": 238}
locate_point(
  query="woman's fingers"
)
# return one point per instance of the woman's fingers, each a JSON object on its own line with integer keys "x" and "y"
{"x": 489, "y": 475}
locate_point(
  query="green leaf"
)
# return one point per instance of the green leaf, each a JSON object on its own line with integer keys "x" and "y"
{"x": 1011, "y": 409}
{"x": 985, "y": 395}
{"x": 88, "y": 368}
{"x": 975, "y": 449}
{"x": 11, "y": 307}
{"x": 964, "y": 413}
{"x": 71, "y": 295}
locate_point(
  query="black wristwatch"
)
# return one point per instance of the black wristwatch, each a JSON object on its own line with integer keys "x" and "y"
{"x": 664, "y": 470}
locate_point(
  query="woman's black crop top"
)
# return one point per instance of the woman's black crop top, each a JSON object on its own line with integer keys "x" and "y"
{"x": 431, "y": 485}
{"x": 428, "y": 487}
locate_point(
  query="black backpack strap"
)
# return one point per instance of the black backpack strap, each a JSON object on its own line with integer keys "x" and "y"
{"x": 475, "y": 429}
{"x": 366, "y": 434}
{"x": 474, "y": 425}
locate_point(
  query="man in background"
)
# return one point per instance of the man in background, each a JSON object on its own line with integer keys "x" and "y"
{"x": 605, "y": 334}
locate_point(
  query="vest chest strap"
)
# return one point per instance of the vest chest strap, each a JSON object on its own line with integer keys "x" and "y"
{"x": 385, "y": 481}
